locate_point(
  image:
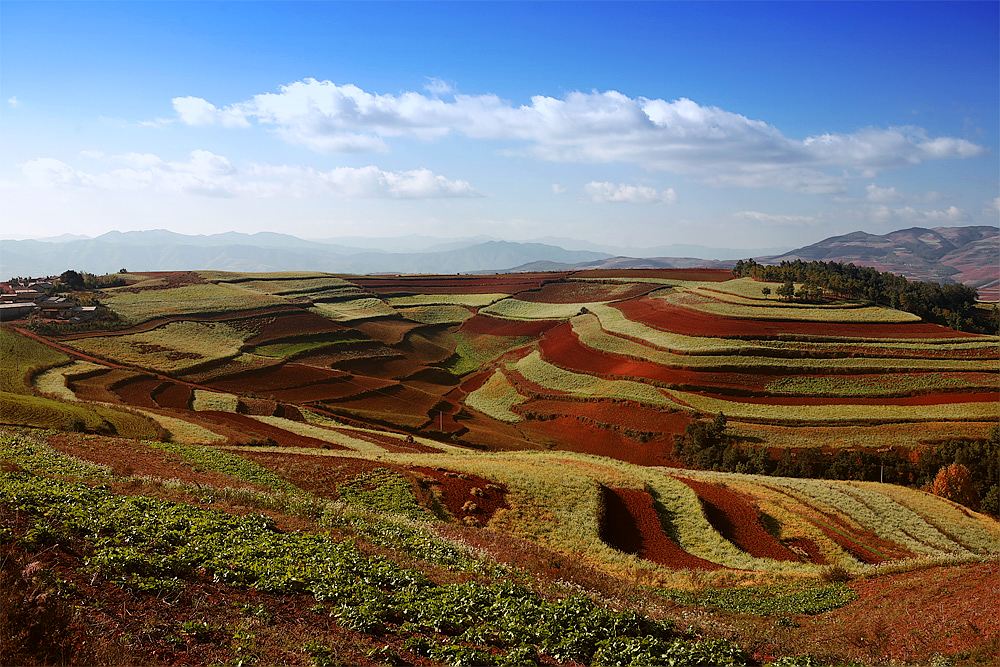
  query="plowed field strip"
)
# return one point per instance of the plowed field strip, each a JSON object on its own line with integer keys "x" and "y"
{"x": 738, "y": 520}
{"x": 630, "y": 523}
{"x": 661, "y": 315}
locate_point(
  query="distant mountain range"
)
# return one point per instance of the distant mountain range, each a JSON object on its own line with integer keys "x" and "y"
{"x": 969, "y": 255}
{"x": 962, "y": 254}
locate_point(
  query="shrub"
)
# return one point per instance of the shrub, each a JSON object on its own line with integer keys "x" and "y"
{"x": 954, "y": 482}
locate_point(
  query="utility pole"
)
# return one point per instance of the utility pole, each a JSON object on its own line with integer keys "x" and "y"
{"x": 441, "y": 420}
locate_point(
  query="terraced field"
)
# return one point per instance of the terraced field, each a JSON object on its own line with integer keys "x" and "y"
{"x": 535, "y": 417}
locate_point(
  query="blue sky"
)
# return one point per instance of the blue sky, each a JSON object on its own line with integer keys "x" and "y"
{"x": 744, "y": 124}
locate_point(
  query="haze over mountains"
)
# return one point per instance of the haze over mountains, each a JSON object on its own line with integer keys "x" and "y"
{"x": 961, "y": 254}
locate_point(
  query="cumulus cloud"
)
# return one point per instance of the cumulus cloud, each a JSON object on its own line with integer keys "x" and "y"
{"x": 13, "y": 102}
{"x": 918, "y": 217}
{"x": 681, "y": 136}
{"x": 558, "y": 189}
{"x": 879, "y": 195}
{"x": 205, "y": 173}
{"x": 775, "y": 219}
{"x": 623, "y": 193}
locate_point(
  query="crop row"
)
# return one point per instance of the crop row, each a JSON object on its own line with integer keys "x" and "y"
{"x": 496, "y": 398}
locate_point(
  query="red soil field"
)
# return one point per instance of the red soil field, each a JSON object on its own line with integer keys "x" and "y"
{"x": 390, "y": 331}
{"x": 291, "y": 325}
{"x": 332, "y": 390}
{"x": 273, "y": 378}
{"x": 910, "y": 616}
{"x": 494, "y": 326}
{"x": 173, "y": 395}
{"x": 456, "y": 490}
{"x": 937, "y": 398}
{"x": 705, "y": 275}
{"x": 578, "y": 292}
{"x": 738, "y": 519}
{"x": 397, "y": 405}
{"x": 138, "y": 391}
{"x": 630, "y": 523}
{"x": 126, "y": 457}
{"x": 97, "y": 386}
{"x": 568, "y": 433}
{"x": 382, "y": 367}
{"x": 319, "y": 475}
{"x": 257, "y": 406}
{"x": 659, "y": 314}
{"x": 809, "y": 548}
{"x": 624, "y": 415}
{"x": 257, "y": 430}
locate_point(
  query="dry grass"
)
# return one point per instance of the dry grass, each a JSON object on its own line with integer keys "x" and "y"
{"x": 470, "y": 300}
{"x": 171, "y": 348}
{"x": 496, "y": 398}
{"x": 983, "y": 411}
{"x": 214, "y": 400}
{"x": 894, "y": 384}
{"x": 355, "y": 309}
{"x": 515, "y": 309}
{"x": 781, "y": 311}
{"x": 580, "y": 385}
{"x": 296, "y": 286}
{"x": 436, "y": 314}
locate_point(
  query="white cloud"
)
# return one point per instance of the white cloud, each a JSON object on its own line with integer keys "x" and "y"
{"x": 775, "y": 219}
{"x": 682, "y": 136}
{"x": 558, "y": 189}
{"x": 196, "y": 111}
{"x": 879, "y": 195}
{"x": 622, "y": 193}
{"x": 208, "y": 174}
{"x": 13, "y": 102}
{"x": 438, "y": 87}
{"x": 995, "y": 205}
{"x": 908, "y": 215}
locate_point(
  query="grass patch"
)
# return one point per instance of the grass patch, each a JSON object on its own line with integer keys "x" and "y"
{"x": 383, "y": 491}
{"x": 436, "y": 314}
{"x": 354, "y": 309}
{"x": 777, "y": 311}
{"x": 496, "y": 398}
{"x": 209, "y": 458}
{"x": 779, "y": 414}
{"x": 477, "y": 350}
{"x": 769, "y": 600}
{"x": 21, "y": 358}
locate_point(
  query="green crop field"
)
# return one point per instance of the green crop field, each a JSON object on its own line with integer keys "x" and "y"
{"x": 171, "y": 348}
{"x": 135, "y": 307}
{"x": 580, "y": 385}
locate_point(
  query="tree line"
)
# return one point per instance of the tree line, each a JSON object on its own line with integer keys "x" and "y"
{"x": 706, "y": 445}
{"x": 951, "y": 304}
